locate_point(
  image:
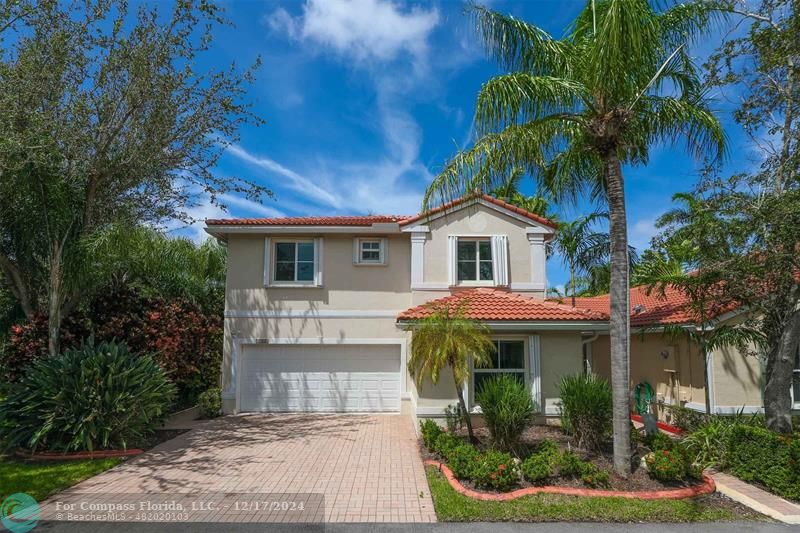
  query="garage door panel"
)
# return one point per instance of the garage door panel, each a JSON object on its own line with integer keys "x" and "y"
{"x": 320, "y": 378}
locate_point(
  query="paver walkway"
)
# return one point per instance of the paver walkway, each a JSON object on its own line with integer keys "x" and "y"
{"x": 757, "y": 499}
{"x": 367, "y": 467}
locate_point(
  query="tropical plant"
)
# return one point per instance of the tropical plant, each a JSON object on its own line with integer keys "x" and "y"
{"x": 586, "y": 409}
{"x": 210, "y": 403}
{"x": 671, "y": 464}
{"x": 507, "y": 409}
{"x": 572, "y": 111}
{"x": 708, "y": 444}
{"x": 583, "y": 250}
{"x": 509, "y": 191}
{"x": 446, "y": 443}
{"x": 446, "y": 339}
{"x": 538, "y": 467}
{"x": 97, "y": 396}
{"x": 495, "y": 470}
{"x": 430, "y": 431}
{"x": 462, "y": 459}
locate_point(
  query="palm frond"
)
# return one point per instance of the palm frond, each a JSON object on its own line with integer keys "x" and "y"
{"x": 519, "y": 46}
{"x": 521, "y": 96}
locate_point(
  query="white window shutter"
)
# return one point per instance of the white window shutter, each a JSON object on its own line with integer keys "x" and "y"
{"x": 452, "y": 260}
{"x": 500, "y": 260}
{"x": 535, "y": 371}
{"x": 318, "y": 254}
{"x": 384, "y": 251}
{"x": 267, "y": 259}
{"x": 356, "y": 250}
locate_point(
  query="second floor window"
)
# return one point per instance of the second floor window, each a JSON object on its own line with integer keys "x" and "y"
{"x": 294, "y": 261}
{"x": 474, "y": 260}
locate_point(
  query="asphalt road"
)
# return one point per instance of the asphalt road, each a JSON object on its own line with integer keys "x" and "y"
{"x": 474, "y": 527}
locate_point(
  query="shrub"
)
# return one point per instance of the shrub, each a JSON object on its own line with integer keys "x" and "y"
{"x": 586, "y": 409}
{"x": 185, "y": 341}
{"x": 210, "y": 403}
{"x": 669, "y": 464}
{"x": 571, "y": 465}
{"x": 430, "y": 431}
{"x": 445, "y": 443}
{"x": 596, "y": 478}
{"x": 507, "y": 410}
{"x": 462, "y": 459}
{"x": 495, "y": 470}
{"x": 658, "y": 441}
{"x": 549, "y": 448}
{"x": 537, "y": 467}
{"x": 97, "y": 396}
{"x": 708, "y": 444}
{"x": 757, "y": 454}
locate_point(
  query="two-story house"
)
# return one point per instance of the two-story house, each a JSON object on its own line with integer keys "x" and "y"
{"x": 320, "y": 312}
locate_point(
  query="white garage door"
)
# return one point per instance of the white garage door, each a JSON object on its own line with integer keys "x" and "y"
{"x": 320, "y": 378}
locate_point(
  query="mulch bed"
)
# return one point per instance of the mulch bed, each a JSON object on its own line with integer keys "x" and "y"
{"x": 639, "y": 479}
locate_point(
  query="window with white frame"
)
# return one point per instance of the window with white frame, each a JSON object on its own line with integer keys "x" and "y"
{"x": 369, "y": 251}
{"x": 294, "y": 262}
{"x": 508, "y": 357}
{"x": 474, "y": 260}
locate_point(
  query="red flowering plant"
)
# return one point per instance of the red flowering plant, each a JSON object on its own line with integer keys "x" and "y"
{"x": 670, "y": 465}
{"x": 496, "y": 470}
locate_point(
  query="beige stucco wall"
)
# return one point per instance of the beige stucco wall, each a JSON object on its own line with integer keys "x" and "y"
{"x": 737, "y": 379}
{"x": 475, "y": 221}
{"x": 345, "y": 285}
{"x": 678, "y": 378}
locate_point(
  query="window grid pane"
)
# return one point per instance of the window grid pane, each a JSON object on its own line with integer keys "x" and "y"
{"x": 294, "y": 261}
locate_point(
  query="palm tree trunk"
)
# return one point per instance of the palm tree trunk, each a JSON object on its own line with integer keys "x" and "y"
{"x": 620, "y": 316}
{"x": 572, "y": 280}
{"x": 54, "y": 304}
{"x": 780, "y": 366}
{"x": 463, "y": 404}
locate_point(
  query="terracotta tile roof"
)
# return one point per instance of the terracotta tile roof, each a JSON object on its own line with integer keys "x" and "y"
{"x": 491, "y": 199}
{"x": 366, "y": 220}
{"x": 651, "y": 309}
{"x": 499, "y": 305}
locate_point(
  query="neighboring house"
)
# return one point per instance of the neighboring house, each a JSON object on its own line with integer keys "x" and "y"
{"x": 319, "y": 311}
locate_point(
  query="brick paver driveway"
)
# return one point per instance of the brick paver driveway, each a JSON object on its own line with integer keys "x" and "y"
{"x": 367, "y": 466}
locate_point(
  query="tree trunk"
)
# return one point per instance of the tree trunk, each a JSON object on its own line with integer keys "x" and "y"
{"x": 620, "y": 316}
{"x": 17, "y": 285}
{"x": 779, "y": 375}
{"x": 572, "y": 281}
{"x": 55, "y": 297}
{"x": 706, "y": 381}
{"x": 463, "y": 404}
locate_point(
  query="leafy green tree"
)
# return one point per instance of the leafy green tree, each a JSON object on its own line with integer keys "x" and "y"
{"x": 572, "y": 111}
{"x": 743, "y": 247}
{"x": 447, "y": 339}
{"x": 678, "y": 264}
{"x": 104, "y": 120}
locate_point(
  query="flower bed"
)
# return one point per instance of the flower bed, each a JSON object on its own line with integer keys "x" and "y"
{"x": 546, "y": 460}
{"x": 706, "y": 487}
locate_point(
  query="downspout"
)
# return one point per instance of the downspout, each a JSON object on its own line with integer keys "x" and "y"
{"x": 587, "y": 363}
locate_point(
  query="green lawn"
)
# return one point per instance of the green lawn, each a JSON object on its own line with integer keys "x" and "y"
{"x": 454, "y": 507}
{"x": 45, "y": 478}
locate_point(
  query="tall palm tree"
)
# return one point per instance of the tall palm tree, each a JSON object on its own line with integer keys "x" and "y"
{"x": 581, "y": 248}
{"x": 446, "y": 338}
{"x": 572, "y": 111}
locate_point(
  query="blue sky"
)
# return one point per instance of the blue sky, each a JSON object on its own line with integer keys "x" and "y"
{"x": 365, "y": 100}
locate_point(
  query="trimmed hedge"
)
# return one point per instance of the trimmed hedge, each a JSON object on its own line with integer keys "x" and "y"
{"x": 757, "y": 454}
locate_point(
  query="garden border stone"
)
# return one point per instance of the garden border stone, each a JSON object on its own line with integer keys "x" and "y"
{"x": 74, "y": 456}
{"x": 706, "y": 487}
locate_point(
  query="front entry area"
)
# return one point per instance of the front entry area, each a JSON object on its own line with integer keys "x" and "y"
{"x": 320, "y": 378}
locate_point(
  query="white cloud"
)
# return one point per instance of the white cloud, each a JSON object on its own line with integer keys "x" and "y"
{"x": 362, "y": 29}
{"x": 642, "y": 231}
{"x": 296, "y": 181}
{"x": 250, "y": 206}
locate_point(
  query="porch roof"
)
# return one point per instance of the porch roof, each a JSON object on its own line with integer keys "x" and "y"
{"x": 492, "y": 305}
